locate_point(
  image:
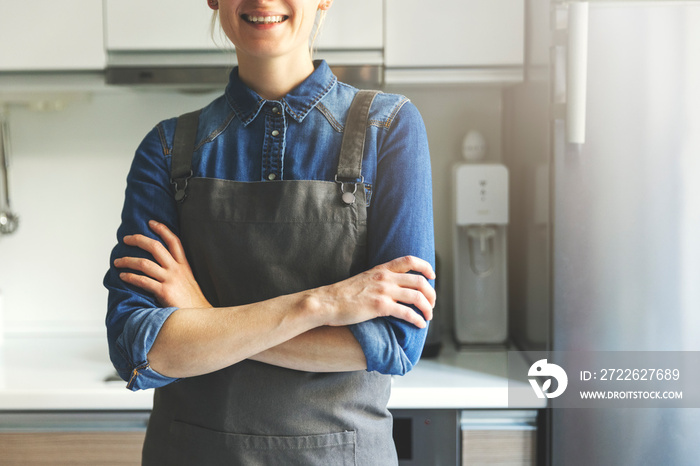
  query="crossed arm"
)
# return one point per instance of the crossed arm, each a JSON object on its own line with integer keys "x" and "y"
{"x": 303, "y": 331}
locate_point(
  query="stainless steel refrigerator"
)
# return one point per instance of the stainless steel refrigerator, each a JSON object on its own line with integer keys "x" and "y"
{"x": 603, "y": 140}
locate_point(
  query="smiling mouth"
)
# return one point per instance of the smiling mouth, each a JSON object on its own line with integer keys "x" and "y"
{"x": 263, "y": 19}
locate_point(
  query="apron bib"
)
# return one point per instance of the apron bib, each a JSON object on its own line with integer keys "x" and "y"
{"x": 248, "y": 242}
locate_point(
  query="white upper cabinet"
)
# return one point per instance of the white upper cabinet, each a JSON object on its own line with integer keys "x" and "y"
{"x": 427, "y": 38}
{"x": 137, "y": 25}
{"x": 353, "y": 24}
{"x": 454, "y": 33}
{"x": 51, "y": 35}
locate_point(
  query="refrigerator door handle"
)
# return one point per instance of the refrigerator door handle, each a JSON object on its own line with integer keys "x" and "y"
{"x": 576, "y": 73}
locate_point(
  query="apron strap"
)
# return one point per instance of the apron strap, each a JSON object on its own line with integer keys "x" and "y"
{"x": 352, "y": 149}
{"x": 183, "y": 148}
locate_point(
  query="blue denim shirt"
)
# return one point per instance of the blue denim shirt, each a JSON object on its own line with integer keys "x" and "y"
{"x": 235, "y": 143}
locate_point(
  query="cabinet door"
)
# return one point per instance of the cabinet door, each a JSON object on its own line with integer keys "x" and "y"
{"x": 355, "y": 24}
{"x": 493, "y": 437}
{"x": 51, "y": 35}
{"x": 454, "y": 33}
{"x": 137, "y": 25}
{"x": 71, "y": 448}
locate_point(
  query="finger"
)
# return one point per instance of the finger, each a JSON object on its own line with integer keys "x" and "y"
{"x": 411, "y": 263}
{"x": 406, "y": 313}
{"x": 172, "y": 241}
{"x": 417, "y": 282}
{"x": 415, "y": 298}
{"x": 155, "y": 247}
{"x": 141, "y": 281}
{"x": 146, "y": 266}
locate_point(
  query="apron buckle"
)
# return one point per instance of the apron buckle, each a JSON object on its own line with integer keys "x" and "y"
{"x": 181, "y": 187}
{"x": 347, "y": 196}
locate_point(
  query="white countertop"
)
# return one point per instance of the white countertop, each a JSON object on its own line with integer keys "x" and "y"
{"x": 63, "y": 372}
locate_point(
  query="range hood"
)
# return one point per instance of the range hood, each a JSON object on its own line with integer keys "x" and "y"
{"x": 210, "y": 69}
{"x": 205, "y": 69}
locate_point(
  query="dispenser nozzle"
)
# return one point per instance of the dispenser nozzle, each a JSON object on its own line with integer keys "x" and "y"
{"x": 481, "y": 260}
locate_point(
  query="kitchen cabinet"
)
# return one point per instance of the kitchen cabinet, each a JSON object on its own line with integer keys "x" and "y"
{"x": 499, "y": 437}
{"x": 59, "y": 35}
{"x": 355, "y": 25}
{"x": 135, "y": 25}
{"x": 473, "y": 35}
{"x": 465, "y": 437}
{"x": 65, "y": 438}
{"x": 71, "y": 448}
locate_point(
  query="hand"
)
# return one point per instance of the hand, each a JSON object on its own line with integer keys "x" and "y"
{"x": 170, "y": 278}
{"x": 385, "y": 290}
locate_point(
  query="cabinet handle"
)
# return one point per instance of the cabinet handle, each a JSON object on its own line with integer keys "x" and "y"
{"x": 576, "y": 73}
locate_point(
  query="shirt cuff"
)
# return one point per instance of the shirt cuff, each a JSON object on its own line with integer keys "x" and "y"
{"x": 143, "y": 378}
{"x": 382, "y": 350}
{"x": 136, "y": 340}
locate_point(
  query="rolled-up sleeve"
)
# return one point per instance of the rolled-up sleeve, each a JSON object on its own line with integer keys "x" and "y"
{"x": 133, "y": 316}
{"x": 400, "y": 223}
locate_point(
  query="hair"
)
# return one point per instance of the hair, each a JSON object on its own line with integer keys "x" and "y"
{"x": 220, "y": 40}
{"x": 217, "y": 32}
{"x": 320, "y": 19}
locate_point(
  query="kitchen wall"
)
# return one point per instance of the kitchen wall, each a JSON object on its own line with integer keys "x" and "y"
{"x": 68, "y": 177}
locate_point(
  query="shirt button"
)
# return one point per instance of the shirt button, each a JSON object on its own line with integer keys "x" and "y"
{"x": 275, "y": 133}
{"x": 275, "y": 110}
{"x": 271, "y": 177}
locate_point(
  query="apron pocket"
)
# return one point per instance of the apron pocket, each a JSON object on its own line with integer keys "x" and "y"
{"x": 192, "y": 444}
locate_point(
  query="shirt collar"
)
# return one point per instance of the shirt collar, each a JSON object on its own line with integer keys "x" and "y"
{"x": 246, "y": 103}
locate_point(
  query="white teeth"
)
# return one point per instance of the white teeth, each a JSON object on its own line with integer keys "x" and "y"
{"x": 264, "y": 19}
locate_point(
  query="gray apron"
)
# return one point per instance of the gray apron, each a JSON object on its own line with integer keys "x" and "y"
{"x": 251, "y": 241}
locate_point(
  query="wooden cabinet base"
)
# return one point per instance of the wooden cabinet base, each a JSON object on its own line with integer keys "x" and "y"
{"x": 498, "y": 447}
{"x": 66, "y": 448}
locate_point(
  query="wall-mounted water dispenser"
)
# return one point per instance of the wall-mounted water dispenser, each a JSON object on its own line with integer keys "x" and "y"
{"x": 481, "y": 305}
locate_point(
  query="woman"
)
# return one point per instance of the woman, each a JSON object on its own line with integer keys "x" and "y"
{"x": 288, "y": 272}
